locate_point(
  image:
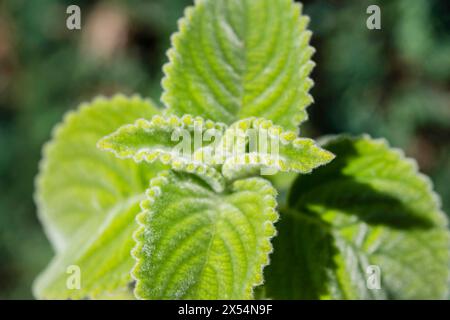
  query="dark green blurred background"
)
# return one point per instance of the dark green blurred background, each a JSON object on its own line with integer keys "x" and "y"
{"x": 393, "y": 83}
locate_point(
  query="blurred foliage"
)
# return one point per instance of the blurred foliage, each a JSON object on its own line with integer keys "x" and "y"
{"x": 393, "y": 82}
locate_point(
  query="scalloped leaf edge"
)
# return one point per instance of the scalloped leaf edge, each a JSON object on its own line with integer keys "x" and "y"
{"x": 299, "y": 117}
{"x": 256, "y": 184}
{"x": 175, "y": 161}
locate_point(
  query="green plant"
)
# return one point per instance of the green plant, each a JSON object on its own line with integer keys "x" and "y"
{"x": 203, "y": 228}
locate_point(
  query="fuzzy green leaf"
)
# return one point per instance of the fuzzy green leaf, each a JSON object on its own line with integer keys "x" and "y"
{"x": 369, "y": 207}
{"x": 171, "y": 140}
{"x": 158, "y": 138}
{"x": 194, "y": 243}
{"x": 87, "y": 201}
{"x": 255, "y": 144}
{"x": 233, "y": 59}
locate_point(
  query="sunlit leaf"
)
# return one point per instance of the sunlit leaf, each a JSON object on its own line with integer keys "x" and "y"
{"x": 233, "y": 59}
{"x": 196, "y": 244}
{"x": 87, "y": 201}
{"x": 255, "y": 145}
{"x": 171, "y": 140}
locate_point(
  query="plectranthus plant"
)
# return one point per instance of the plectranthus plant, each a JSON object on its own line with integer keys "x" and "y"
{"x": 185, "y": 201}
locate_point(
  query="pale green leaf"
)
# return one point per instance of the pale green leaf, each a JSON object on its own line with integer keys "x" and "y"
{"x": 171, "y": 140}
{"x": 194, "y": 243}
{"x": 87, "y": 200}
{"x": 162, "y": 138}
{"x": 103, "y": 259}
{"x": 234, "y": 59}
{"x": 369, "y": 207}
{"x": 254, "y": 144}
